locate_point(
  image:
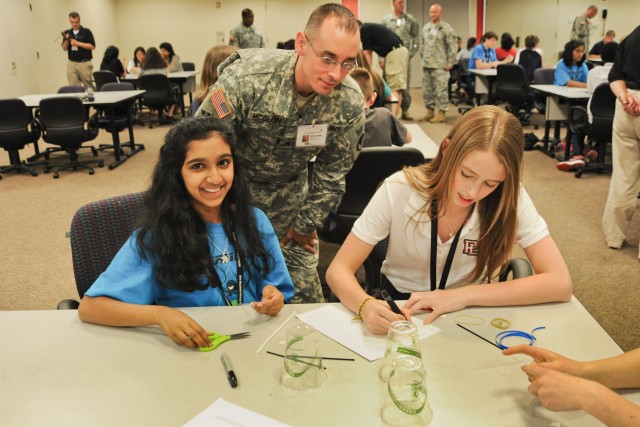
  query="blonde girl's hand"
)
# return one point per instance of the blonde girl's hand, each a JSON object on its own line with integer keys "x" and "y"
{"x": 182, "y": 328}
{"x": 378, "y": 316}
{"x": 272, "y": 301}
{"x": 438, "y": 301}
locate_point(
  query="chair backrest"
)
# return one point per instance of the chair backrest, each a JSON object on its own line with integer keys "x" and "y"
{"x": 63, "y": 121}
{"x": 188, "y": 66}
{"x": 116, "y": 87}
{"x": 15, "y": 121}
{"x": 543, "y": 76}
{"x": 71, "y": 89}
{"x": 511, "y": 83}
{"x": 157, "y": 90}
{"x": 98, "y": 231}
{"x": 372, "y": 166}
{"x": 102, "y": 77}
{"x": 603, "y": 106}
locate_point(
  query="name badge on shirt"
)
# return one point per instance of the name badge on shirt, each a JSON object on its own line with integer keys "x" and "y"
{"x": 400, "y": 22}
{"x": 74, "y": 47}
{"x": 312, "y": 135}
{"x": 433, "y": 32}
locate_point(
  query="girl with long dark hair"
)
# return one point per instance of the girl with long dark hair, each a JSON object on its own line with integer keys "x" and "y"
{"x": 200, "y": 243}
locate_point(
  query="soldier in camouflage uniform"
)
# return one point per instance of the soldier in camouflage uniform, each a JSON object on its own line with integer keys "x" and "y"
{"x": 439, "y": 48}
{"x": 582, "y": 25}
{"x": 287, "y": 107}
{"x": 246, "y": 35}
{"x": 406, "y": 27}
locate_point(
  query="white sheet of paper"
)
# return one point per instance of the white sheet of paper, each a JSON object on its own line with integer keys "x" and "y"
{"x": 224, "y": 414}
{"x": 335, "y": 321}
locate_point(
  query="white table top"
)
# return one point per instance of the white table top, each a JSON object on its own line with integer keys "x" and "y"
{"x": 487, "y": 72}
{"x": 421, "y": 141}
{"x": 58, "y": 371}
{"x": 175, "y": 75}
{"x": 563, "y": 91}
{"x": 100, "y": 98}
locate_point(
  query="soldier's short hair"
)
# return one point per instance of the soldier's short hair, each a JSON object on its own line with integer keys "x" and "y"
{"x": 610, "y": 33}
{"x": 362, "y": 76}
{"x": 346, "y": 20}
{"x": 247, "y": 13}
{"x": 74, "y": 15}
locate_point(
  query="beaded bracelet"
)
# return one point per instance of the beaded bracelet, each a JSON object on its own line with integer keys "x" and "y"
{"x": 359, "y": 316}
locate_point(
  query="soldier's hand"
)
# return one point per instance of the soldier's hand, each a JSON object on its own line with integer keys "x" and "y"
{"x": 308, "y": 242}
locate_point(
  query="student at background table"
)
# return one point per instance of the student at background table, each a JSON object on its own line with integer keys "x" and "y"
{"x": 467, "y": 205}
{"x": 571, "y": 71}
{"x": 212, "y": 59}
{"x": 134, "y": 64}
{"x": 563, "y": 384}
{"x": 111, "y": 62}
{"x": 173, "y": 61}
{"x": 200, "y": 243}
{"x": 506, "y": 47}
{"x": 484, "y": 56}
{"x": 381, "y": 129}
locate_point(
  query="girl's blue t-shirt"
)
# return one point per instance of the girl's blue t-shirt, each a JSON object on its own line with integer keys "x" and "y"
{"x": 563, "y": 74}
{"x": 129, "y": 277}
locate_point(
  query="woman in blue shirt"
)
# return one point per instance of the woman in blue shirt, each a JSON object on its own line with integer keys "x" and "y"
{"x": 200, "y": 243}
{"x": 571, "y": 70}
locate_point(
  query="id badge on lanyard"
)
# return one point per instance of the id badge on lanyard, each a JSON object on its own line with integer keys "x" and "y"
{"x": 312, "y": 135}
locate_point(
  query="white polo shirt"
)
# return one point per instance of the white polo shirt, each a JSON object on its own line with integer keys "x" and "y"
{"x": 396, "y": 210}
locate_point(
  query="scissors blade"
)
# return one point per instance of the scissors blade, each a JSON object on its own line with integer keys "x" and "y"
{"x": 240, "y": 335}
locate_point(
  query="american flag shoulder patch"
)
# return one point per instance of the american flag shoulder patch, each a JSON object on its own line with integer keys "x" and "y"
{"x": 219, "y": 103}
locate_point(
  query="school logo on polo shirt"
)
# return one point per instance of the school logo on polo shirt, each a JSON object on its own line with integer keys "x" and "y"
{"x": 470, "y": 247}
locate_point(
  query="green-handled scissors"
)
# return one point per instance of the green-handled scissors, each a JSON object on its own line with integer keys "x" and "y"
{"x": 217, "y": 339}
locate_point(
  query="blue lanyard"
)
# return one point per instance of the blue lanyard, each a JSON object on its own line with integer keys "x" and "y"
{"x": 573, "y": 76}
{"x": 487, "y": 55}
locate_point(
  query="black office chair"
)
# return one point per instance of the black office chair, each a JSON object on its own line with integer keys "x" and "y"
{"x": 71, "y": 89}
{"x": 63, "y": 123}
{"x": 123, "y": 118}
{"x": 98, "y": 231}
{"x": 372, "y": 166}
{"x": 17, "y": 129}
{"x": 513, "y": 88}
{"x": 158, "y": 95}
{"x": 103, "y": 77}
{"x": 466, "y": 84}
{"x": 542, "y": 76}
{"x": 454, "y": 75}
{"x": 188, "y": 66}
{"x": 603, "y": 107}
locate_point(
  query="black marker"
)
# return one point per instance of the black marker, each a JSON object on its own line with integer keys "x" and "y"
{"x": 231, "y": 376}
{"x": 390, "y": 301}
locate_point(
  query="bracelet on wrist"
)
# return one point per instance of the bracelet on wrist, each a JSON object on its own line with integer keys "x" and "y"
{"x": 359, "y": 315}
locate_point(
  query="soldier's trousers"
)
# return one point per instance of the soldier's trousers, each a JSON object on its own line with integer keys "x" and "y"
{"x": 434, "y": 88}
{"x": 281, "y": 203}
{"x": 406, "y": 94}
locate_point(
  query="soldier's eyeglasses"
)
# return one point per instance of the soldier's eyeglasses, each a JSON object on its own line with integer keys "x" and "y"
{"x": 347, "y": 65}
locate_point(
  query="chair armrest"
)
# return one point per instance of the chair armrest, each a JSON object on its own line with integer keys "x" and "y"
{"x": 68, "y": 304}
{"x": 518, "y": 267}
{"x": 578, "y": 118}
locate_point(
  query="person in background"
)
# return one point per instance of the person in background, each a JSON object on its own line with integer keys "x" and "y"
{"x": 287, "y": 107}
{"x": 597, "y": 75}
{"x": 380, "y": 86}
{"x": 246, "y": 35}
{"x": 529, "y": 58}
{"x": 582, "y": 26}
{"x": 200, "y": 243}
{"x": 571, "y": 70}
{"x": 212, "y": 59}
{"x": 134, "y": 64}
{"x": 111, "y": 62}
{"x": 78, "y": 42}
{"x": 154, "y": 63}
{"x": 438, "y": 57}
{"x": 484, "y": 56}
{"x": 470, "y": 193}
{"x": 466, "y": 53}
{"x": 563, "y": 384}
{"x": 173, "y": 61}
{"x": 624, "y": 80}
{"x": 407, "y": 28}
{"x": 596, "y": 51}
{"x": 386, "y": 44}
{"x": 506, "y": 47}
{"x": 381, "y": 128}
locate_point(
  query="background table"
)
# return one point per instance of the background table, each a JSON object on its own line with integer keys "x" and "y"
{"x": 186, "y": 81}
{"x": 484, "y": 83}
{"x": 104, "y": 100}
{"x": 422, "y": 141}
{"x": 58, "y": 371}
